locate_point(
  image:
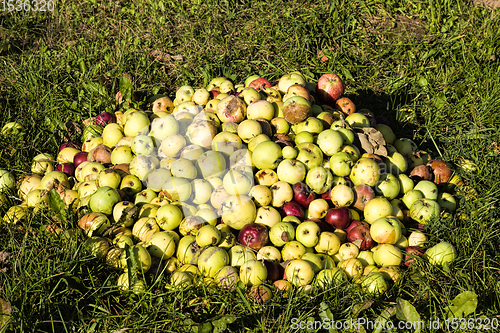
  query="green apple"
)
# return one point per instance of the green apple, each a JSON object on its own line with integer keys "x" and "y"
{"x": 212, "y": 259}
{"x": 386, "y": 230}
{"x": 441, "y": 254}
{"x": 328, "y": 243}
{"x": 428, "y": 188}
{"x": 291, "y": 170}
{"x": 376, "y": 208}
{"x": 299, "y": 272}
{"x": 136, "y": 123}
{"x": 267, "y": 155}
{"x": 425, "y": 210}
{"x": 292, "y": 250}
{"x": 387, "y": 254}
{"x": 341, "y": 164}
{"x": 253, "y": 272}
{"x": 330, "y": 141}
{"x": 160, "y": 245}
{"x": 308, "y": 233}
{"x": 365, "y": 171}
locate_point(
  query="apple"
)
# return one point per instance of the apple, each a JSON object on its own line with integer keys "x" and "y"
{"x": 238, "y": 210}
{"x": 231, "y": 109}
{"x": 281, "y": 233}
{"x": 425, "y": 210}
{"x": 291, "y": 170}
{"x": 365, "y": 171}
{"x": 290, "y": 79}
{"x": 303, "y": 194}
{"x": 396, "y": 163}
{"x": 328, "y": 243}
{"x": 317, "y": 209}
{"x": 308, "y": 233}
{"x": 211, "y": 164}
{"x": 348, "y": 251}
{"x": 362, "y": 195}
{"x": 270, "y": 253}
{"x": 267, "y": 155}
{"x": 387, "y": 254}
{"x": 441, "y": 254}
{"x": 160, "y": 245}
{"x": 345, "y": 105}
{"x": 329, "y": 88}
{"x": 339, "y": 217}
{"x": 374, "y": 284}
{"x": 377, "y": 208}
{"x": 366, "y": 258}
{"x": 136, "y": 123}
{"x": 259, "y": 84}
{"x": 294, "y": 209}
{"x": 330, "y": 277}
{"x": 342, "y": 195}
{"x": 310, "y": 154}
{"x": 253, "y": 235}
{"x": 411, "y": 252}
{"x": 388, "y": 186}
{"x": 260, "y": 109}
{"x": 361, "y": 237}
{"x": 227, "y": 277}
{"x": 428, "y": 188}
{"x": 249, "y": 129}
{"x": 386, "y": 230}
{"x": 292, "y": 250}
{"x": 240, "y": 254}
{"x": 299, "y": 272}
{"x": 282, "y": 192}
{"x": 208, "y": 235}
{"x": 211, "y": 260}
{"x": 253, "y": 273}
{"x": 441, "y": 170}
{"x": 352, "y": 267}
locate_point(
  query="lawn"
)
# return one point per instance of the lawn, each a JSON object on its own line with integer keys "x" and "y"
{"x": 430, "y": 67}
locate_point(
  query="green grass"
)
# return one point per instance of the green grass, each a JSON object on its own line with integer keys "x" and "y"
{"x": 431, "y": 68}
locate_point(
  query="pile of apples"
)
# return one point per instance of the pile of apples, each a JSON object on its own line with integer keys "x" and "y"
{"x": 262, "y": 184}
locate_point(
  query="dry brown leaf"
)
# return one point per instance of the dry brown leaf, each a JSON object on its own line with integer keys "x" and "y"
{"x": 372, "y": 141}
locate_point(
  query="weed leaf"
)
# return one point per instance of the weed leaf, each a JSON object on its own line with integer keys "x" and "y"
{"x": 407, "y": 312}
{"x": 463, "y": 305}
{"x": 57, "y": 206}
{"x": 5, "y": 310}
{"x": 220, "y": 325}
{"x": 380, "y": 321}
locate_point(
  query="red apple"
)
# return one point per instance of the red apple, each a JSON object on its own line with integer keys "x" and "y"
{"x": 214, "y": 93}
{"x": 345, "y": 105}
{"x": 362, "y": 194}
{"x": 360, "y": 236}
{"x": 105, "y": 118}
{"x": 411, "y": 252}
{"x": 79, "y": 158}
{"x": 294, "y": 209}
{"x": 329, "y": 88}
{"x": 322, "y": 224}
{"x": 442, "y": 171}
{"x": 253, "y": 235}
{"x": 302, "y": 194}
{"x": 274, "y": 271}
{"x": 354, "y": 224}
{"x": 259, "y": 84}
{"x": 338, "y": 218}
{"x": 70, "y": 144}
{"x": 67, "y": 168}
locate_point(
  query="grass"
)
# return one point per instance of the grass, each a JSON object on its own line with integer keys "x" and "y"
{"x": 431, "y": 68}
